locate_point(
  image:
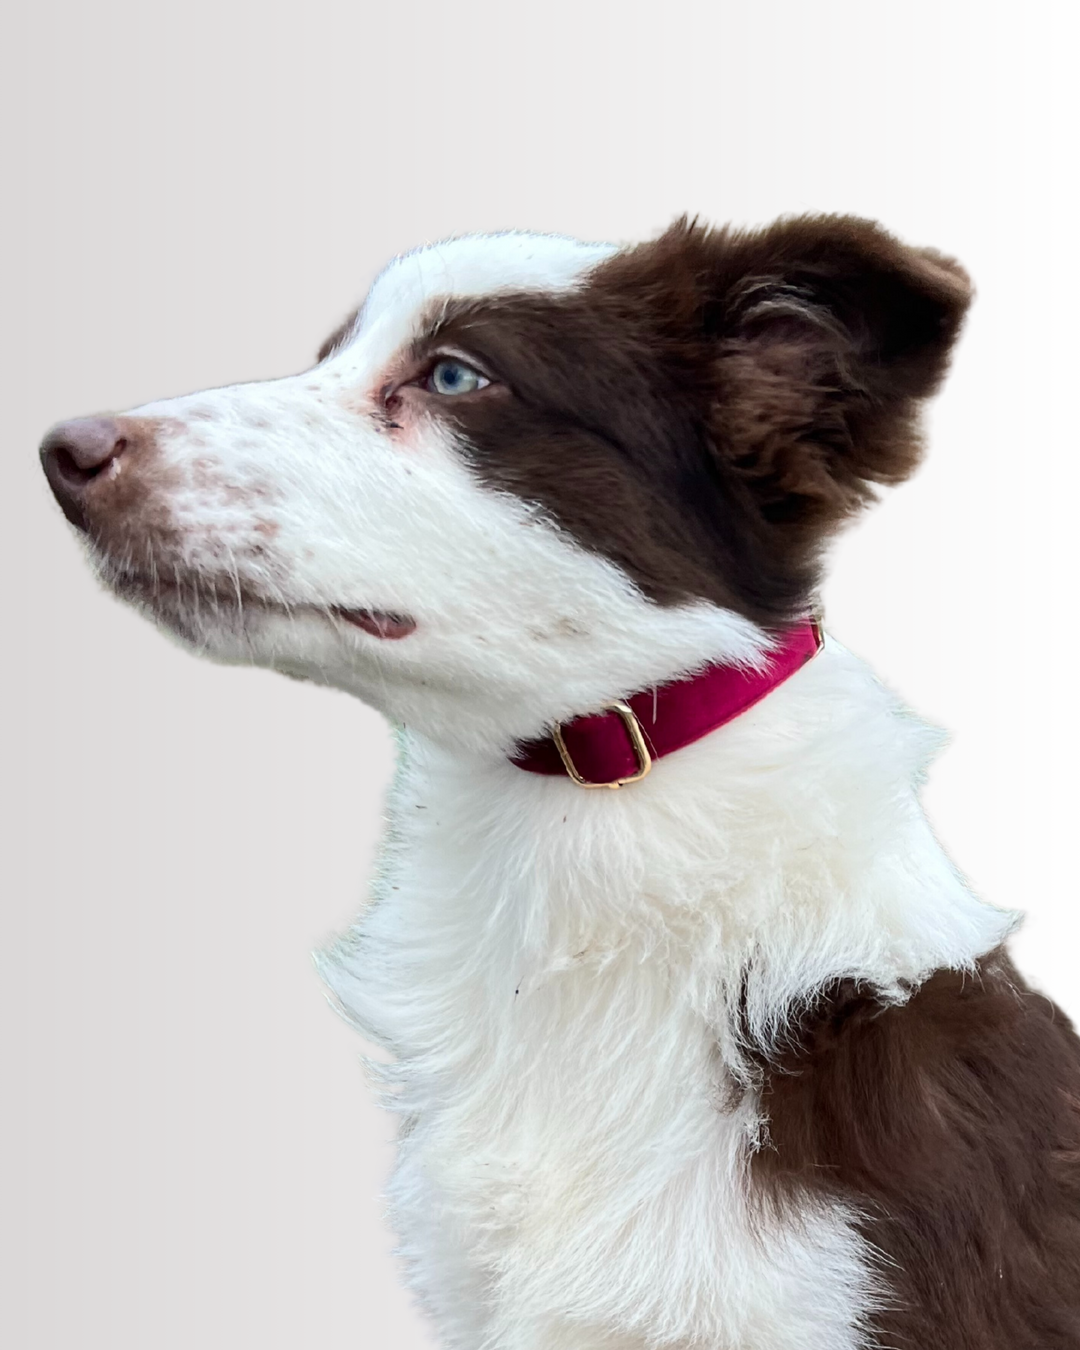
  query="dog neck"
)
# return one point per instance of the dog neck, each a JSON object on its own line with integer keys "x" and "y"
{"x": 782, "y": 851}
{"x": 618, "y": 745}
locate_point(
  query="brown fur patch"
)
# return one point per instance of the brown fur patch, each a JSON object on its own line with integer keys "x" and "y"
{"x": 710, "y": 406}
{"x": 952, "y": 1123}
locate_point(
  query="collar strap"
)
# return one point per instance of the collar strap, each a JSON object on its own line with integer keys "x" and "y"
{"x": 619, "y": 744}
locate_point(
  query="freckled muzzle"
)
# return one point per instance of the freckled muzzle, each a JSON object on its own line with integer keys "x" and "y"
{"x": 187, "y": 540}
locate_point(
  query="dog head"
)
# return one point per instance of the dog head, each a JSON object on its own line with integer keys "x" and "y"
{"x": 530, "y": 475}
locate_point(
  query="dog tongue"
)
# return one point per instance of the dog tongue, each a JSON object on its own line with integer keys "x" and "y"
{"x": 379, "y": 624}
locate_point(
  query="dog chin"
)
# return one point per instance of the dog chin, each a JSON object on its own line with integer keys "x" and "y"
{"x": 303, "y": 640}
{"x": 220, "y": 631}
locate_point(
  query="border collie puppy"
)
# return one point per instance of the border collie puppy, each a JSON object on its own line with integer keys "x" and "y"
{"x": 729, "y": 1058}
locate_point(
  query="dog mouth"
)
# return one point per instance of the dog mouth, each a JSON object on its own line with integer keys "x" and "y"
{"x": 378, "y": 622}
{"x": 193, "y": 596}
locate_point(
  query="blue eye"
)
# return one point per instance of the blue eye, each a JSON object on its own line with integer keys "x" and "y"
{"x": 451, "y": 376}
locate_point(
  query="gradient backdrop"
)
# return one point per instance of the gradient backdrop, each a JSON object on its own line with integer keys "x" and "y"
{"x": 196, "y": 193}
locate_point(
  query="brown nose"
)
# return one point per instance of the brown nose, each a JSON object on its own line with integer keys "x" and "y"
{"x": 73, "y": 454}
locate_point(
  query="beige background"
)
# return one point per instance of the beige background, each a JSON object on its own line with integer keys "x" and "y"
{"x": 195, "y": 194}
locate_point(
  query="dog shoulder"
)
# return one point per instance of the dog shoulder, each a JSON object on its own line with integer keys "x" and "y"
{"x": 951, "y": 1122}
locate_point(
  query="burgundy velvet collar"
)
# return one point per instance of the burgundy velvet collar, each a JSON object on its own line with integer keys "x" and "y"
{"x": 619, "y": 744}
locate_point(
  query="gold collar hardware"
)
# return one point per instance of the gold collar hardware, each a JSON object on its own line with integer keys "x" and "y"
{"x": 637, "y": 740}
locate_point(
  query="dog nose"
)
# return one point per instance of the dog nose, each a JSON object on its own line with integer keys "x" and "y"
{"x": 73, "y": 454}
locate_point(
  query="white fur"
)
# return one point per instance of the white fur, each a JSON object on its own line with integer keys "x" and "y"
{"x": 557, "y": 975}
{"x": 476, "y": 265}
{"x": 562, "y": 980}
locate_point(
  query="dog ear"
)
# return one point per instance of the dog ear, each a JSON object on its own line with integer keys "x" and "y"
{"x": 826, "y": 334}
{"x": 808, "y": 346}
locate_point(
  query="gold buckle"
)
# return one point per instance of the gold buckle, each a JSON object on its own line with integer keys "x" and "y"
{"x": 637, "y": 740}
{"x": 817, "y": 623}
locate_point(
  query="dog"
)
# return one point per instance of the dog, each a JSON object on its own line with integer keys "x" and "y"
{"x": 697, "y": 1038}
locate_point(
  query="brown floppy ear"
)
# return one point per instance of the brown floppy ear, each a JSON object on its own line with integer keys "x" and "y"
{"x": 826, "y": 333}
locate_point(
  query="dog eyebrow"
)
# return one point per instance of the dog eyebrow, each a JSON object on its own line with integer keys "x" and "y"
{"x": 338, "y": 336}
{"x": 442, "y": 313}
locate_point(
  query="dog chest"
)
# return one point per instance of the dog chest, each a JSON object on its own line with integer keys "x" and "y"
{"x": 569, "y": 1114}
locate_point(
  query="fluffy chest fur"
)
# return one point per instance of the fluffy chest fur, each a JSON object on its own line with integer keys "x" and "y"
{"x": 575, "y": 988}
